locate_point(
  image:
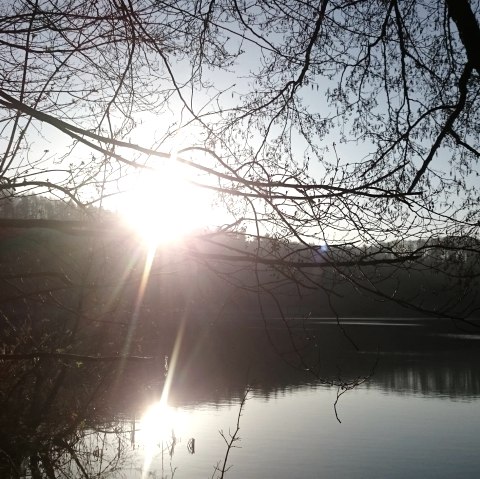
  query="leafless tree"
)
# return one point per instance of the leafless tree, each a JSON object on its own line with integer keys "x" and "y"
{"x": 342, "y": 137}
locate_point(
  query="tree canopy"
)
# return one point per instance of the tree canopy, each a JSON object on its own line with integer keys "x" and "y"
{"x": 351, "y": 126}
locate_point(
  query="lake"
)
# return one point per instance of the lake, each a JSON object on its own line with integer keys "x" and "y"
{"x": 410, "y": 405}
{"x": 294, "y": 434}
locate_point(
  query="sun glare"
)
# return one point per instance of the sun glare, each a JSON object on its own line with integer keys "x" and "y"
{"x": 162, "y": 206}
{"x": 160, "y": 428}
{"x": 160, "y": 422}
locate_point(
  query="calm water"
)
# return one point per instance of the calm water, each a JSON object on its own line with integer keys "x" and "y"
{"x": 417, "y": 414}
{"x": 294, "y": 434}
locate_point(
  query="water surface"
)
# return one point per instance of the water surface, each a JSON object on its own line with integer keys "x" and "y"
{"x": 410, "y": 409}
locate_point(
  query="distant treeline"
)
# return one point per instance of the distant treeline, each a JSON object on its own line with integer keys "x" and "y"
{"x": 39, "y": 207}
{"x": 99, "y": 278}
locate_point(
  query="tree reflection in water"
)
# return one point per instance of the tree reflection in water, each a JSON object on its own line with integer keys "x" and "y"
{"x": 70, "y": 418}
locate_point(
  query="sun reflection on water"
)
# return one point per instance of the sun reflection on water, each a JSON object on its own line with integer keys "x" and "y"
{"x": 160, "y": 428}
{"x": 161, "y": 424}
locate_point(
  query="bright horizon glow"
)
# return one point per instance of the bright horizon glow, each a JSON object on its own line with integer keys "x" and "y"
{"x": 163, "y": 206}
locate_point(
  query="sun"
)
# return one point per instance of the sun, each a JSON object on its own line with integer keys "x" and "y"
{"x": 164, "y": 206}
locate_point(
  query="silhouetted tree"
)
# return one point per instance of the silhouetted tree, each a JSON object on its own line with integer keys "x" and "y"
{"x": 348, "y": 129}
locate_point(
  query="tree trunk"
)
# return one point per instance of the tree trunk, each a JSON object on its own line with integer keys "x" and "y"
{"x": 468, "y": 29}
